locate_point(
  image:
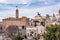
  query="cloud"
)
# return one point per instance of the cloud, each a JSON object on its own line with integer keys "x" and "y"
{"x": 47, "y": 1}
{"x": 16, "y": 1}
{"x": 2, "y": 1}
{"x": 7, "y": 7}
{"x": 31, "y": 12}
{"x": 26, "y": 1}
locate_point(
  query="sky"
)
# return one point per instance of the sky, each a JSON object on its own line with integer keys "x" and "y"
{"x": 28, "y": 8}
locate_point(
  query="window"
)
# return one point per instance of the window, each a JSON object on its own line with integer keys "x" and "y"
{"x": 31, "y": 33}
{"x": 28, "y": 34}
{"x": 35, "y": 24}
{"x": 1, "y": 31}
{"x": 23, "y": 27}
{"x": 0, "y": 28}
{"x": 43, "y": 24}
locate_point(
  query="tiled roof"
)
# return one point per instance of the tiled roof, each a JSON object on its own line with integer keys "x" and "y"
{"x": 12, "y": 18}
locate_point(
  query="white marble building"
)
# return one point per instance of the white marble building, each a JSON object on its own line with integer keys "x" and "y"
{"x": 31, "y": 31}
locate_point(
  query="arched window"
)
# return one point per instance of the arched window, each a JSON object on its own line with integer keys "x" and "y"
{"x": 1, "y": 28}
{"x": 1, "y": 31}
{"x": 23, "y": 27}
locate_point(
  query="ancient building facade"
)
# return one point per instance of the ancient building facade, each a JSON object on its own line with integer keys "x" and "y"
{"x": 20, "y": 22}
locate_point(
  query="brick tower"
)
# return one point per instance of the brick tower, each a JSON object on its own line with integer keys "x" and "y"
{"x": 17, "y": 13}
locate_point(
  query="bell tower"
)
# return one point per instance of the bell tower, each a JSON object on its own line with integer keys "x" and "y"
{"x": 17, "y": 12}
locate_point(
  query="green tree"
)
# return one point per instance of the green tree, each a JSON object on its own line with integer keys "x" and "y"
{"x": 19, "y": 37}
{"x": 47, "y": 16}
{"x": 37, "y": 37}
{"x": 52, "y": 33}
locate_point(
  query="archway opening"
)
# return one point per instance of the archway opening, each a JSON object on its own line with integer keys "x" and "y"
{"x": 23, "y": 27}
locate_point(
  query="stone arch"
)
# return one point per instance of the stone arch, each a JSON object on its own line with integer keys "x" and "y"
{"x": 12, "y": 26}
{"x": 1, "y": 29}
{"x": 11, "y": 31}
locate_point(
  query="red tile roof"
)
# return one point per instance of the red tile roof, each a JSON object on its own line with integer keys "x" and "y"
{"x": 11, "y": 18}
